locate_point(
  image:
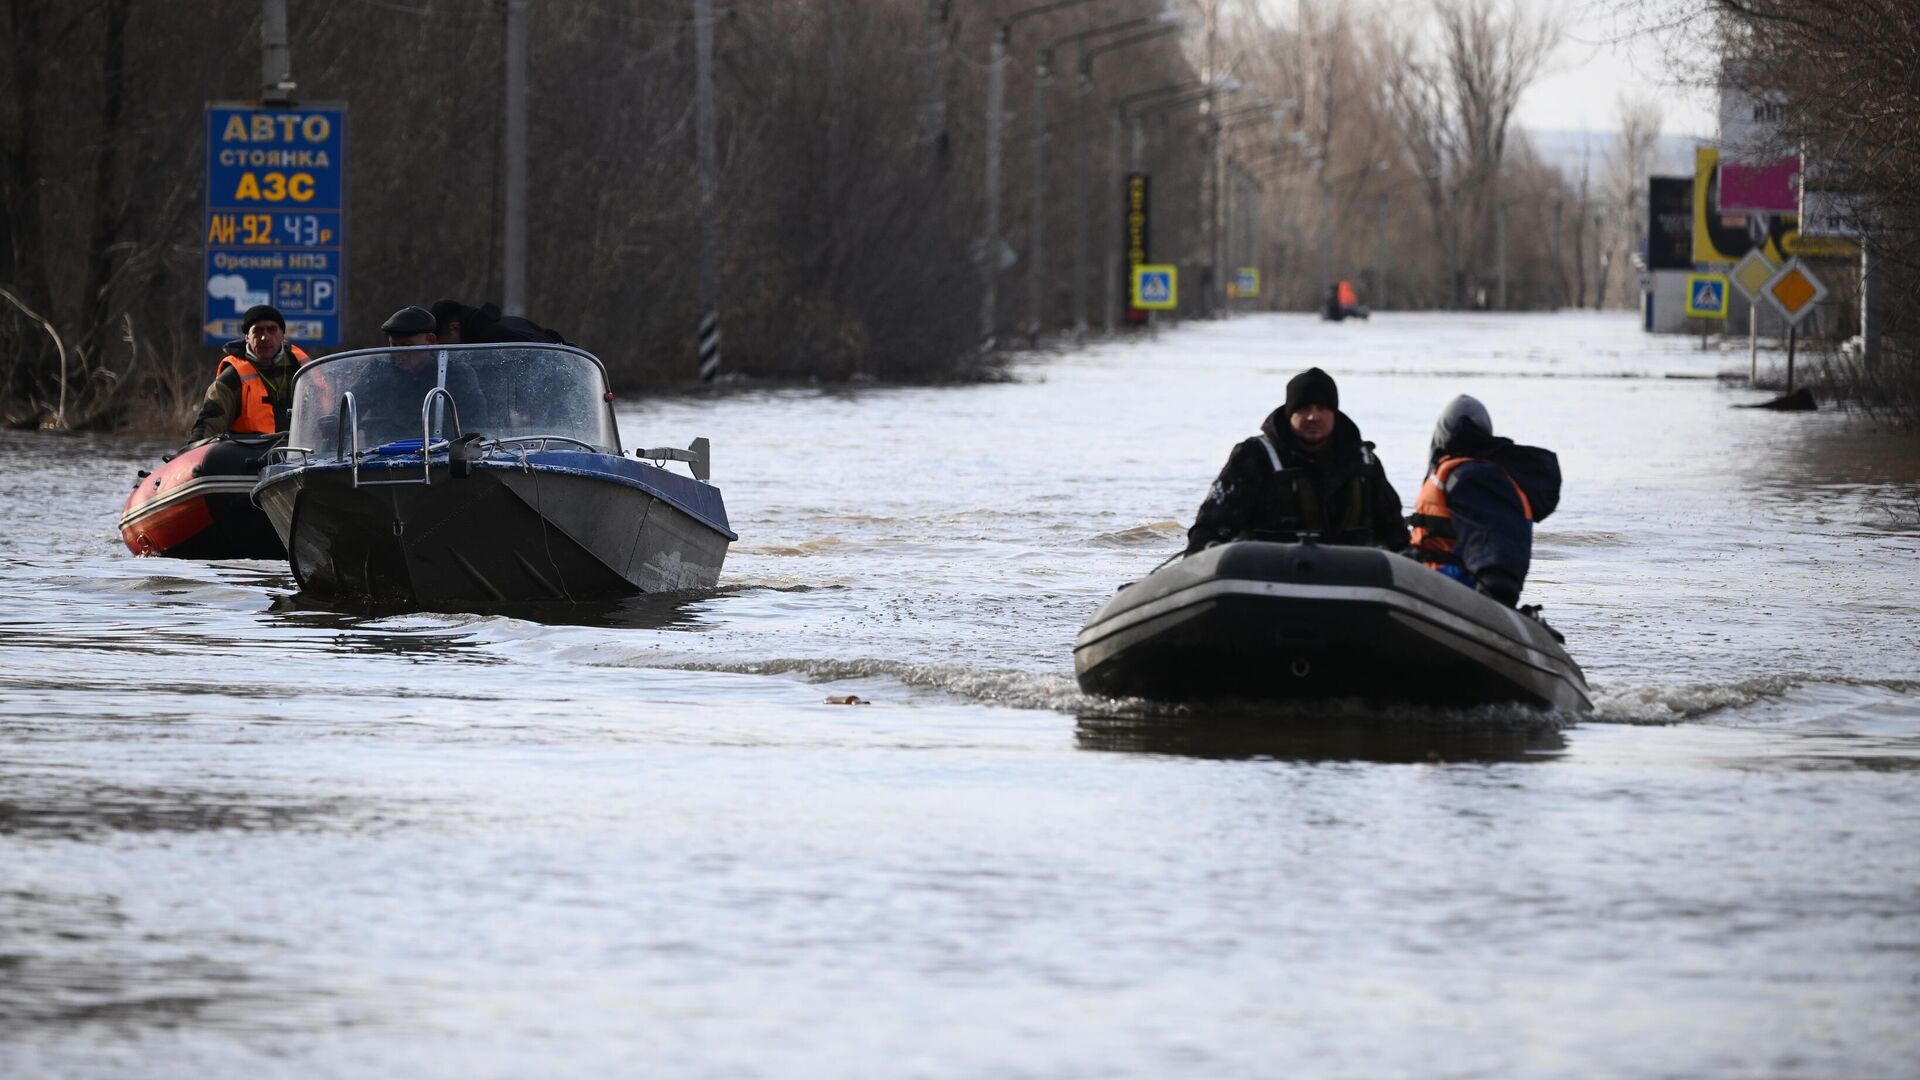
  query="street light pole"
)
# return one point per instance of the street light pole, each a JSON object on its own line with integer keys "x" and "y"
{"x": 514, "y": 292}
{"x": 996, "y": 106}
{"x": 990, "y": 245}
{"x": 1087, "y": 57}
{"x": 1037, "y": 231}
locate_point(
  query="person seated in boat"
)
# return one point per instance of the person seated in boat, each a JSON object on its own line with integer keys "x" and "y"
{"x": 1308, "y": 474}
{"x": 1473, "y": 519}
{"x": 455, "y": 323}
{"x": 251, "y": 393}
{"x": 415, "y": 373}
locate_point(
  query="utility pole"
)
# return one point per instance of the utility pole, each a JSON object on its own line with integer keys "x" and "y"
{"x": 708, "y": 335}
{"x": 1036, "y": 254}
{"x": 1114, "y": 221}
{"x": 937, "y": 85}
{"x": 514, "y": 294}
{"x": 1500, "y": 238}
{"x": 1080, "y": 198}
{"x": 276, "y": 59}
{"x": 990, "y": 246}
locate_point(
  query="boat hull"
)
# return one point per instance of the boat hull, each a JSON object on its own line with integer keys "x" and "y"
{"x": 553, "y": 527}
{"x": 1267, "y": 621}
{"x": 198, "y": 505}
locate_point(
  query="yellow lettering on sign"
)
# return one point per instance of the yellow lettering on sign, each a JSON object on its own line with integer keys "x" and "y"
{"x": 262, "y": 128}
{"x": 220, "y": 230}
{"x": 275, "y": 187}
{"x": 316, "y": 128}
{"x": 236, "y": 129}
{"x": 258, "y": 229}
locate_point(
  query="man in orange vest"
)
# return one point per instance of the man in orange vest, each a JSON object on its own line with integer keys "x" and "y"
{"x": 252, "y": 389}
{"x": 1473, "y": 519}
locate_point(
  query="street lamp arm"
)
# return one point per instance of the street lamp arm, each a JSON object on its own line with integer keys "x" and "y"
{"x": 1007, "y": 24}
{"x": 1086, "y": 61}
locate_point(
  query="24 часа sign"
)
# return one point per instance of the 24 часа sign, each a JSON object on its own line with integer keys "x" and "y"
{"x": 276, "y": 222}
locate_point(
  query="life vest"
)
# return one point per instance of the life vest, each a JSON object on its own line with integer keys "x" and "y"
{"x": 1432, "y": 522}
{"x": 1348, "y": 298}
{"x": 256, "y": 416}
{"x": 1300, "y": 500}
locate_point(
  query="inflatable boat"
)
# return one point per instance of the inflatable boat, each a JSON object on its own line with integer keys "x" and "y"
{"x": 198, "y": 504}
{"x": 1269, "y": 621}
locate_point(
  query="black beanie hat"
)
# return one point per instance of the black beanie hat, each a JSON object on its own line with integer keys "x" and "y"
{"x": 261, "y": 313}
{"x": 1312, "y": 387}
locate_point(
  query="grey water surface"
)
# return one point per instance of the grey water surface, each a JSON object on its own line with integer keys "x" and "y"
{"x": 242, "y": 835}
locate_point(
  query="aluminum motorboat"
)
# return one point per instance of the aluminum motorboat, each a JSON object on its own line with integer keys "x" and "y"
{"x": 447, "y": 475}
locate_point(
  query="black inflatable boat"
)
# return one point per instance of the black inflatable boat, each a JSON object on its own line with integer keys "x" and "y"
{"x": 1268, "y": 621}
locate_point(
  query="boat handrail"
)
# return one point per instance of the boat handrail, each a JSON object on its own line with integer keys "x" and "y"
{"x": 513, "y": 440}
{"x": 426, "y": 429}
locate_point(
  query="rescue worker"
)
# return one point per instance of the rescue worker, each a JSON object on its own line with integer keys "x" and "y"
{"x": 1308, "y": 473}
{"x": 251, "y": 393}
{"x": 1473, "y": 519}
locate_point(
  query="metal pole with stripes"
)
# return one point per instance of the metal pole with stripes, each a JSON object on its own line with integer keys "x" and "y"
{"x": 709, "y": 345}
{"x": 709, "y": 336}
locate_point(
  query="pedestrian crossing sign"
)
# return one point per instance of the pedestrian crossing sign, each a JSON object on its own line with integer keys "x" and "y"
{"x": 1707, "y": 296}
{"x": 1156, "y": 288}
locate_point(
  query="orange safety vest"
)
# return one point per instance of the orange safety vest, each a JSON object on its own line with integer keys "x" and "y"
{"x": 1432, "y": 522}
{"x": 256, "y": 409}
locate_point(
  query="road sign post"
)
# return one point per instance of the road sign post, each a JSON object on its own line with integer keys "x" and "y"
{"x": 1246, "y": 281}
{"x": 275, "y": 221}
{"x": 1795, "y": 292}
{"x": 1751, "y": 275}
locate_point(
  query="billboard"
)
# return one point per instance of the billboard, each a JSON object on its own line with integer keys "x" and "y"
{"x": 1136, "y": 203}
{"x": 275, "y": 222}
{"x": 1670, "y": 223}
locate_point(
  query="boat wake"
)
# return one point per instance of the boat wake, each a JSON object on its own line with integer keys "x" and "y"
{"x": 1754, "y": 697}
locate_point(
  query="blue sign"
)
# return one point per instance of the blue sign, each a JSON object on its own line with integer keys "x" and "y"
{"x": 1707, "y": 296}
{"x": 276, "y": 219}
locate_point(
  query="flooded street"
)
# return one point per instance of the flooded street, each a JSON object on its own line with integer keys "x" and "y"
{"x": 240, "y": 835}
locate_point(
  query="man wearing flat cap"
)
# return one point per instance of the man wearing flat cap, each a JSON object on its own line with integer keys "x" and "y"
{"x": 410, "y": 326}
{"x": 1308, "y": 473}
{"x": 251, "y": 393}
{"x": 413, "y": 374}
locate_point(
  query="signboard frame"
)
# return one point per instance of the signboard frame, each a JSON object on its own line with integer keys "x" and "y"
{"x": 274, "y": 218}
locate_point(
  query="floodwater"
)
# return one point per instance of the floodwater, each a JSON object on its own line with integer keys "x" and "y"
{"x": 240, "y": 835}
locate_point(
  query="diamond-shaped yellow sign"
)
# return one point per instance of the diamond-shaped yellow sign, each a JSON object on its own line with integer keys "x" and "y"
{"x": 1753, "y": 274}
{"x": 1795, "y": 291}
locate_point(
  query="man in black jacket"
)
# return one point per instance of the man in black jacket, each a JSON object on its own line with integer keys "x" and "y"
{"x": 1308, "y": 473}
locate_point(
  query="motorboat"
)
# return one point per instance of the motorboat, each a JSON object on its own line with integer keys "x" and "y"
{"x": 199, "y": 503}
{"x": 1272, "y": 621}
{"x": 445, "y": 476}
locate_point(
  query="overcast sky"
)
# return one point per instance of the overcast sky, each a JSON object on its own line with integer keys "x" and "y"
{"x": 1602, "y": 57}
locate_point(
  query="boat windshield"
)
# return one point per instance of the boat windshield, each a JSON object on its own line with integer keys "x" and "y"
{"x": 500, "y": 391}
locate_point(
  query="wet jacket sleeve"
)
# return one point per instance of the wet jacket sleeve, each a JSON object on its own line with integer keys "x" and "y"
{"x": 1494, "y": 539}
{"x": 221, "y": 405}
{"x": 1389, "y": 520}
{"x": 1229, "y": 506}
